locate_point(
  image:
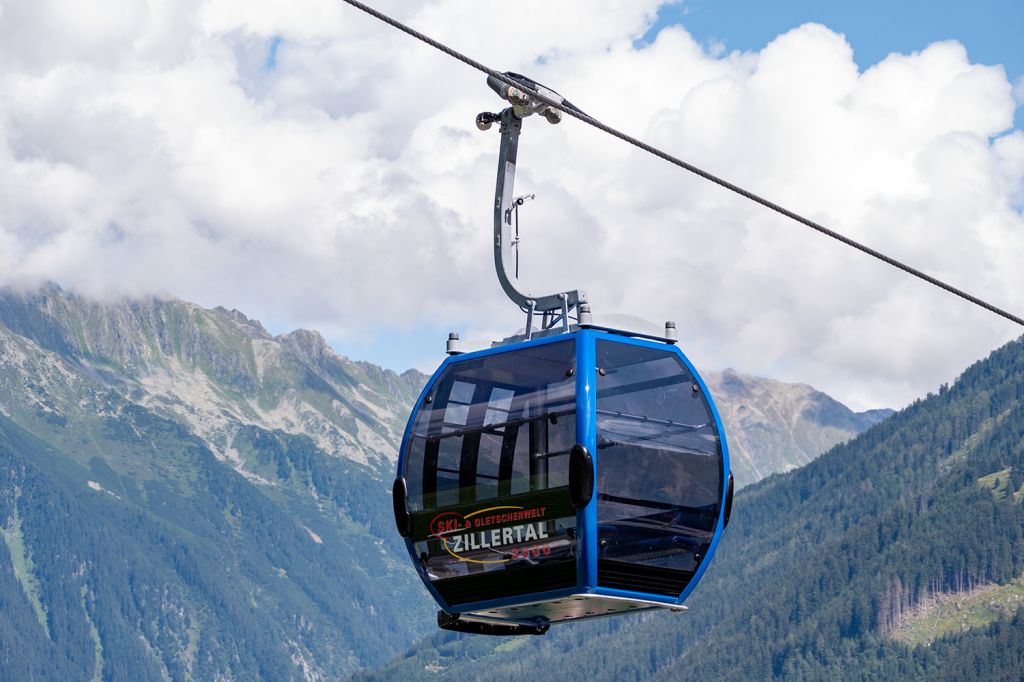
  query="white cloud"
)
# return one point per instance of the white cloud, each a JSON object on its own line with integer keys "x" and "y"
{"x": 147, "y": 146}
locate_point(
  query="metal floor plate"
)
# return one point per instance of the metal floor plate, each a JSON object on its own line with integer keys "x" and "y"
{"x": 573, "y": 607}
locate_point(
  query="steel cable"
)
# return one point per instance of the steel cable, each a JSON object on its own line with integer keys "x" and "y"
{"x": 591, "y": 121}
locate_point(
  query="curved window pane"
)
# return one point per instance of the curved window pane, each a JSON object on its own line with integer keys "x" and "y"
{"x": 487, "y": 463}
{"x": 659, "y": 459}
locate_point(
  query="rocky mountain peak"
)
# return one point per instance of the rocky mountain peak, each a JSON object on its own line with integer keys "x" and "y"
{"x": 307, "y": 345}
{"x": 775, "y": 426}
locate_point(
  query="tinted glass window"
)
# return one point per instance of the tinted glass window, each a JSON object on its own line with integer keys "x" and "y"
{"x": 484, "y": 457}
{"x": 659, "y": 459}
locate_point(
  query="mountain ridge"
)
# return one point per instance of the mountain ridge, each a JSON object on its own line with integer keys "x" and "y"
{"x": 237, "y": 372}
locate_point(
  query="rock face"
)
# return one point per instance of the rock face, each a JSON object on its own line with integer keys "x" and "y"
{"x": 774, "y": 426}
{"x": 216, "y": 371}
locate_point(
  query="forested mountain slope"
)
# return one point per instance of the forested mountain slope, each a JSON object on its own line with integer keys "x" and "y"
{"x": 195, "y": 575}
{"x": 823, "y": 567}
{"x": 202, "y": 529}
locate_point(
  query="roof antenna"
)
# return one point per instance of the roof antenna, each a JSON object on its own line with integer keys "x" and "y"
{"x": 516, "y": 203}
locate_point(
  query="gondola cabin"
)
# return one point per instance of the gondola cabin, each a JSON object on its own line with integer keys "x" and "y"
{"x": 580, "y": 475}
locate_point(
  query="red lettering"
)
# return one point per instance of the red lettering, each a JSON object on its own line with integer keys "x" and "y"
{"x": 445, "y": 522}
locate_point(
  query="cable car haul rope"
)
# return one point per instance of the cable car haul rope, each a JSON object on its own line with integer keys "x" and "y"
{"x": 565, "y": 107}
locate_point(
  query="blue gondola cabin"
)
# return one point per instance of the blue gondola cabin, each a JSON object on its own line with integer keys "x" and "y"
{"x": 576, "y": 476}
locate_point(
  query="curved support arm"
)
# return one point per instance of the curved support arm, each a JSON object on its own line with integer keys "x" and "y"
{"x": 511, "y": 126}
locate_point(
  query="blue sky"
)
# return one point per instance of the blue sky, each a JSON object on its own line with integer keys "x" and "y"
{"x": 991, "y": 30}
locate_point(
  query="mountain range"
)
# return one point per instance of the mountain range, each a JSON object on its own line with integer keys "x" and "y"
{"x": 187, "y": 496}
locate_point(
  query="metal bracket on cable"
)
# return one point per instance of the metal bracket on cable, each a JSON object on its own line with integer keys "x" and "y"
{"x": 554, "y": 309}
